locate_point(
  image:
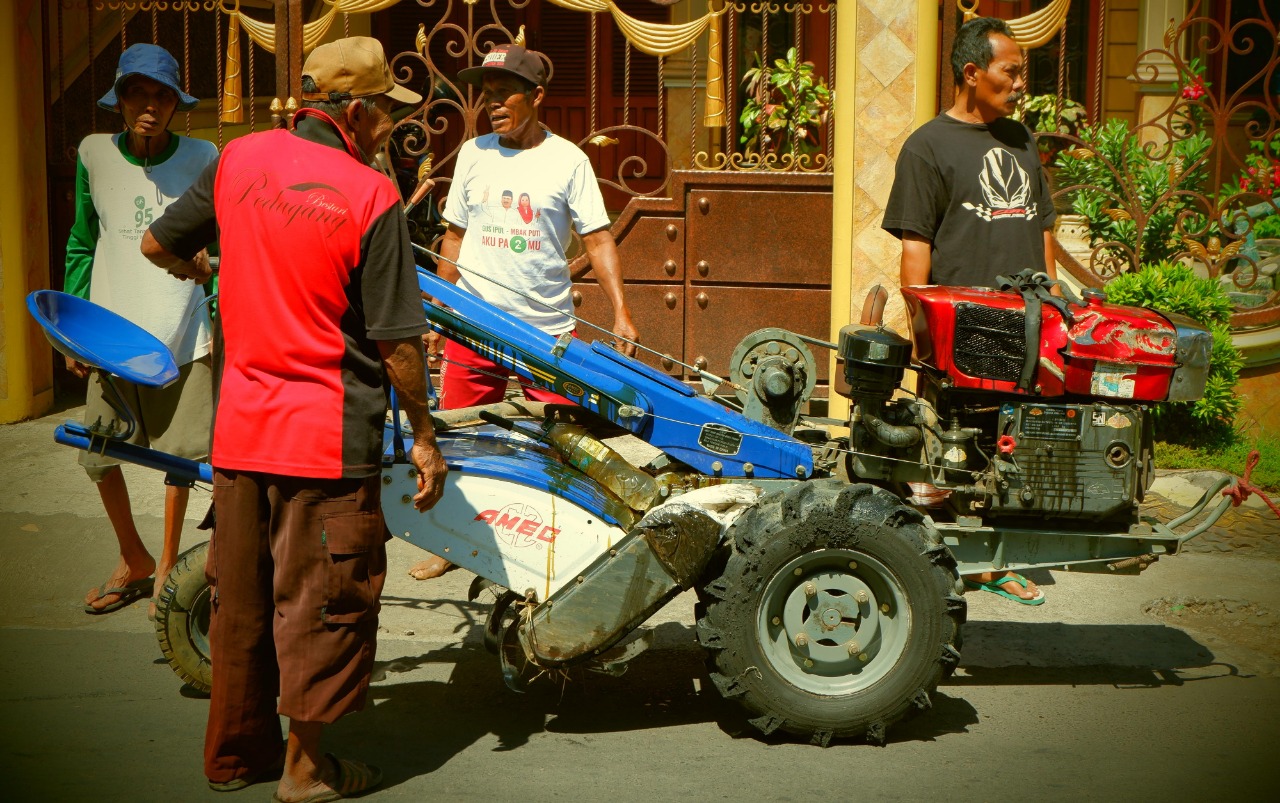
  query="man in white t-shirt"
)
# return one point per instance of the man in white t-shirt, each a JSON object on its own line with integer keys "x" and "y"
{"x": 520, "y": 158}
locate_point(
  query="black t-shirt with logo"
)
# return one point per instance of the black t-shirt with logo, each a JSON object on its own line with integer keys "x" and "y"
{"x": 977, "y": 191}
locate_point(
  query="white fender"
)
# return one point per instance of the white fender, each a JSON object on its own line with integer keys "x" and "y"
{"x": 519, "y": 537}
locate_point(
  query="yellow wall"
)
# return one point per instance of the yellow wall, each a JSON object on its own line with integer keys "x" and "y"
{"x": 26, "y": 368}
{"x": 1119, "y": 93}
{"x": 886, "y": 83}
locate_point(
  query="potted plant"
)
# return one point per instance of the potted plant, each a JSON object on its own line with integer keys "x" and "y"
{"x": 786, "y": 107}
{"x": 1050, "y": 117}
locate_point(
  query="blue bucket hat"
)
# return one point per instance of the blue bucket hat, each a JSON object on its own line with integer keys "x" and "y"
{"x": 149, "y": 61}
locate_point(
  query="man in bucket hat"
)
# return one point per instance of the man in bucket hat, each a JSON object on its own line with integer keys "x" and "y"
{"x": 319, "y": 306}
{"x": 523, "y": 158}
{"x": 123, "y": 182}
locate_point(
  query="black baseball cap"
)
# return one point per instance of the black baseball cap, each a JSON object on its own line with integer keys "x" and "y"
{"x": 510, "y": 59}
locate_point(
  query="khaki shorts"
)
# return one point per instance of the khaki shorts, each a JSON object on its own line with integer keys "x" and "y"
{"x": 174, "y": 419}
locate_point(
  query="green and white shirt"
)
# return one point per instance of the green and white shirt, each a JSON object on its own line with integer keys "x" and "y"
{"x": 117, "y": 197}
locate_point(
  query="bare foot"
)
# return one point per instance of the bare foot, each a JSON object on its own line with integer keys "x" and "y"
{"x": 120, "y": 578}
{"x": 162, "y": 574}
{"x": 431, "y": 568}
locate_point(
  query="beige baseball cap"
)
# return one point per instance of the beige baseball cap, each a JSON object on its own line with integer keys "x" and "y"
{"x": 355, "y": 67}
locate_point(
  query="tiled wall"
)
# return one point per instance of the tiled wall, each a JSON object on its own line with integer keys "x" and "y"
{"x": 884, "y": 99}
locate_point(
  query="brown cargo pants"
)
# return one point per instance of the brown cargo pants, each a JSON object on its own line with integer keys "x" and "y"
{"x": 296, "y": 567}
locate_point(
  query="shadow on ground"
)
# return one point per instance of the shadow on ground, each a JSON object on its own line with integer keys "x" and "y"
{"x": 418, "y": 726}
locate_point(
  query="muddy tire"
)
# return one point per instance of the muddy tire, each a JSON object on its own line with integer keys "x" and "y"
{"x": 182, "y": 619}
{"x": 836, "y": 613}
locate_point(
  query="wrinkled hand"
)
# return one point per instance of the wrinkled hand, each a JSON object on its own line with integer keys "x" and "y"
{"x": 622, "y": 327}
{"x": 77, "y": 368}
{"x": 433, "y": 347}
{"x": 431, "y": 471}
{"x": 197, "y": 269}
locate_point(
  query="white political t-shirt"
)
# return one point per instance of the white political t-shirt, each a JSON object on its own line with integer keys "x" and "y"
{"x": 519, "y": 208}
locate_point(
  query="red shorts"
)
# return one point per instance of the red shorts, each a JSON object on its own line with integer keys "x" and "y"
{"x": 462, "y": 384}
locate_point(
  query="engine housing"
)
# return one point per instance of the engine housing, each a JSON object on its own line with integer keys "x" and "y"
{"x": 976, "y": 339}
{"x": 1069, "y": 460}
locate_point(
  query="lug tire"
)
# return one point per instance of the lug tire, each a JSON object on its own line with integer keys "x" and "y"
{"x": 182, "y": 619}
{"x": 870, "y": 586}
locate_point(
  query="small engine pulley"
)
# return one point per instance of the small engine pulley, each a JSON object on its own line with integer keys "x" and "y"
{"x": 776, "y": 373}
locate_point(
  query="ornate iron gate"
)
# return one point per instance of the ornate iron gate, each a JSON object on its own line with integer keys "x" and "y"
{"x": 1194, "y": 177}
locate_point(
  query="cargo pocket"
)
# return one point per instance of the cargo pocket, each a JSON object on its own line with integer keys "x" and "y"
{"x": 357, "y": 566}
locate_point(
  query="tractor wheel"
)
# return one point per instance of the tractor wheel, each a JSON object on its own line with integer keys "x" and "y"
{"x": 836, "y": 613}
{"x": 182, "y": 619}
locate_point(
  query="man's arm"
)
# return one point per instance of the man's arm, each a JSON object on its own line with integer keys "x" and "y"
{"x": 1050, "y": 261}
{"x": 450, "y": 247}
{"x": 917, "y": 260}
{"x": 603, "y": 253}
{"x": 81, "y": 247}
{"x": 186, "y": 227}
{"x": 83, "y": 241}
{"x": 402, "y": 360}
{"x": 197, "y": 268}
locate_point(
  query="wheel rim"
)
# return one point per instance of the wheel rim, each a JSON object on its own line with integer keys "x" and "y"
{"x": 198, "y": 622}
{"x": 833, "y": 621}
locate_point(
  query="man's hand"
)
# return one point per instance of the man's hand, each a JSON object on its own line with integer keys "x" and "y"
{"x": 201, "y": 271}
{"x": 404, "y": 365}
{"x": 431, "y": 472}
{"x": 77, "y": 368}
{"x": 433, "y": 345}
{"x": 623, "y": 328}
{"x": 197, "y": 268}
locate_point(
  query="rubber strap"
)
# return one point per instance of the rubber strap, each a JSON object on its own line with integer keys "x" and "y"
{"x": 1035, "y": 288}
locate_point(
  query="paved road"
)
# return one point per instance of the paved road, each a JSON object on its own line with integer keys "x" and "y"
{"x": 1085, "y": 697}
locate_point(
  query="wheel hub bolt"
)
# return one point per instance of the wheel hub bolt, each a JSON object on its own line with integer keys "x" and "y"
{"x": 777, "y": 620}
{"x": 810, "y": 590}
{"x": 854, "y": 648}
{"x": 862, "y": 596}
{"x": 802, "y": 639}
{"x": 853, "y": 564}
{"x": 884, "y": 608}
{"x": 863, "y": 657}
{"x": 808, "y": 663}
{"x": 798, "y": 572}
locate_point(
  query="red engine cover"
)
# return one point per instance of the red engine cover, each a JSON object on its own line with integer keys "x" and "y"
{"x": 977, "y": 338}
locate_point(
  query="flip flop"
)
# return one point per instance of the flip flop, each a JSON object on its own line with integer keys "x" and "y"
{"x": 353, "y": 778}
{"x": 994, "y": 588}
{"x": 128, "y": 595}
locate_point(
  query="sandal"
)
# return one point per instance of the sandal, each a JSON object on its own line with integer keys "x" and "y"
{"x": 1013, "y": 577}
{"x": 128, "y": 594}
{"x": 351, "y": 779}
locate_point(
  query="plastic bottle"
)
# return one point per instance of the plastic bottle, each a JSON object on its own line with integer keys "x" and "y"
{"x": 602, "y": 464}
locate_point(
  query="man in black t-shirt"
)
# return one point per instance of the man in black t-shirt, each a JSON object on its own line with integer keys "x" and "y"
{"x": 970, "y": 201}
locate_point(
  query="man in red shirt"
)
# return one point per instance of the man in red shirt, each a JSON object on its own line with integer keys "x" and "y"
{"x": 319, "y": 303}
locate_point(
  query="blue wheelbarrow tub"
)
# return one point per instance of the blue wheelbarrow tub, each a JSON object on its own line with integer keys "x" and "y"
{"x": 97, "y": 336}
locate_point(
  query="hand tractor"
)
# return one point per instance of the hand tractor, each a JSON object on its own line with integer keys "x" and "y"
{"x": 826, "y": 555}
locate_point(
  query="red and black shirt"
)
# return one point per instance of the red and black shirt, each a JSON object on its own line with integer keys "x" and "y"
{"x": 316, "y": 268}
